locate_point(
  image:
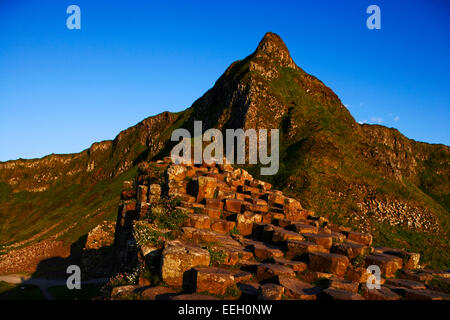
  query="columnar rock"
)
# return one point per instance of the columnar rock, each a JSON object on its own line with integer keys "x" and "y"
{"x": 379, "y": 294}
{"x": 154, "y": 193}
{"x": 338, "y": 294}
{"x": 388, "y": 264}
{"x": 350, "y": 249}
{"x": 270, "y": 291}
{"x": 298, "y": 248}
{"x": 270, "y": 272}
{"x": 410, "y": 259}
{"x": 329, "y": 262}
{"x": 363, "y": 238}
{"x": 205, "y": 187}
{"x": 245, "y": 221}
{"x": 179, "y": 257}
{"x": 297, "y": 289}
{"x": 142, "y": 193}
{"x": 211, "y": 280}
{"x": 233, "y": 220}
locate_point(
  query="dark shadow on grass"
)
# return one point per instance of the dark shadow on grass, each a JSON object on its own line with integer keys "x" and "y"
{"x": 52, "y": 272}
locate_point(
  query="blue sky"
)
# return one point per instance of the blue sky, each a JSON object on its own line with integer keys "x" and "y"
{"x": 61, "y": 90}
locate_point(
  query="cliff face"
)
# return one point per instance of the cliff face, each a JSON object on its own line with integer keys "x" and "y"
{"x": 367, "y": 176}
{"x": 102, "y": 160}
{"x": 65, "y": 194}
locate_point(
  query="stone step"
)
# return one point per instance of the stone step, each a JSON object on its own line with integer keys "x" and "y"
{"x": 297, "y": 289}
{"x": 179, "y": 257}
{"x": 245, "y": 221}
{"x": 281, "y": 235}
{"x": 415, "y": 275}
{"x": 388, "y": 264}
{"x": 411, "y": 294}
{"x": 265, "y": 251}
{"x": 274, "y": 197}
{"x": 213, "y": 213}
{"x": 211, "y": 280}
{"x": 198, "y": 235}
{"x": 214, "y": 203}
{"x": 122, "y": 292}
{"x": 267, "y": 217}
{"x": 199, "y": 221}
{"x": 337, "y": 294}
{"x": 313, "y": 276}
{"x": 314, "y": 223}
{"x": 284, "y": 223}
{"x": 383, "y": 293}
{"x": 187, "y": 198}
{"x": 359, "y": 237}
{"x": 157, "y": 293}
{"x": 227, "y": 240}
{"x": 269, "y": 272}
{"x": 276, "y": 210}
{"x": 255, "y": 208}
{"x": 357, "y": 274}
{"x": 421, "y": 294}
{"x": 298, "y": 248}
{"x": 234, "y": 205}
{"x": 297, "y": 266}
{"x": 297, "y": 214}
{"x": 302, "y": 228}
{"x": 270, "y": 291}
{"x": 240, "y": 276}
{"x": 338, "y": 228}
{"x": 222, "y": 226}
{"x": 342, "y": 284}
{"x": 235, "y": 255}
{"x": 328, "y": 262}
{"x": 256, "y": 201}
{"x": 323, "y": 239}
{"x": 350, "y": 249}
{"x": 437, "y": 273}
{"x": 411, "y": 284}
{"x": 249, "y": 290}
{"x": 276, "y": 215}
{"x": 410, "y": 259}
{"x": 262, "y": 231}
{"x": 337, "y": 237}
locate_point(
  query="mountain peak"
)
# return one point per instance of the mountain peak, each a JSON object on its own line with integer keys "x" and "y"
{"x": 273, "y": 47}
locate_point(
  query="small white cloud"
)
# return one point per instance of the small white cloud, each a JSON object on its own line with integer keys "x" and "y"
{"x": 396, "y": 118}
{"x": 362, "y": 122}
{"x": 378, "y": 120}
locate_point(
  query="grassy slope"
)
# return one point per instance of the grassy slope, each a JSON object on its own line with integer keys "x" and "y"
{"x": 81, "y": 200}
{"x": 25, "y": 214}
{"x": 325, "y": 155}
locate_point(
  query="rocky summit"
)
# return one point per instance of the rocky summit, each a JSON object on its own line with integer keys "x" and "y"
{"x": 346, "y": 196}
